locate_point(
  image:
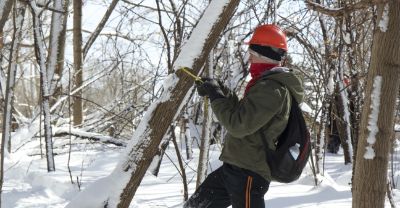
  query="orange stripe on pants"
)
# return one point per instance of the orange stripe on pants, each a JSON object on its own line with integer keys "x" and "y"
{"x": 248, "y": 189}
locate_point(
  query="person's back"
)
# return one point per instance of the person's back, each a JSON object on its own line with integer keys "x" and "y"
{"x": 262, "y": 114}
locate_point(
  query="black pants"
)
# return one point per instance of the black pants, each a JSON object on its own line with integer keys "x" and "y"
{"x": 230, "y": 185}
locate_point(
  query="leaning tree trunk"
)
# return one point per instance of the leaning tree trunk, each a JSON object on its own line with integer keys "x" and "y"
{"x": 146, "y": 139}
{"x": 369, "y": 187}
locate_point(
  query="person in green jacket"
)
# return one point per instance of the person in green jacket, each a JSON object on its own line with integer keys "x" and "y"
{"x": 262, "y": 114}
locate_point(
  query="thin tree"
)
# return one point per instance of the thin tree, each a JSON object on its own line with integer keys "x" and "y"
{"x": 205, "y": 134}
{"x": 18, "y": 19}
{"x": 78, "y": 61}
{"x": 44, "y": 83}
{"x": 375, "y": 139}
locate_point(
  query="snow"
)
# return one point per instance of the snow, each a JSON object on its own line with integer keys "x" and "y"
{"x": 346, "y": 38}
{"x": 331, "y": 83}
{"x": 199, "y": 34}
{"x": 383, "y": 23}
{"x": 28, "y": 185}
{"x": 373, "y": 117}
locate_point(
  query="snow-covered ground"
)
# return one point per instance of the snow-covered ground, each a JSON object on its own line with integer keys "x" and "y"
{"x": 27, "y": 183}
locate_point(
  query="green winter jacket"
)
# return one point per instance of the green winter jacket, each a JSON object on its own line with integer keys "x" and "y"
{"x": 264, "y": 110}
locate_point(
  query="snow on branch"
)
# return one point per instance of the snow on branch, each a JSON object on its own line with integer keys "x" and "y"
{"x": 61, "y": 131}
{"x": 341, "y": 11}
{"x": 373, "y": 117}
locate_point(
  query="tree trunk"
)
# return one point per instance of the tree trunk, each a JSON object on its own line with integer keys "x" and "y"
{"x": 55, "y": 59}
{"x": 342, "y": 125}
{"x": 44, "y": 85}
{"x": 78, "y": 61}
{"x": 321, "y": 138}
{"x": 205, "y": 132}
{"x": 204, "y": 144}
{"x": 180, "y": 161}
{"x": 370, "y": 179}
{"x": 19, "y": 15}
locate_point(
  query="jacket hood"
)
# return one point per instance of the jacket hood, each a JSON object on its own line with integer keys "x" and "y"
{"x": 284, "y": 76}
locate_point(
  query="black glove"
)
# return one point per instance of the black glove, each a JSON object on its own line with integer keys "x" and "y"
{"x": 209, "y": 87}
{"x": 225, "y": 89}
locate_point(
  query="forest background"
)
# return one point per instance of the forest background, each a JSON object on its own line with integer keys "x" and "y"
{"x": 105, "y": 77}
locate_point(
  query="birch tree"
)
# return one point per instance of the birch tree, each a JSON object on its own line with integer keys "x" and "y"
{"x": 377, "y": 122}
{"x": 126, "y": 178}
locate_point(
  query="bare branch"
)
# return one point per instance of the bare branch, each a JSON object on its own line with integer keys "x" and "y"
{"x": 99, "y": 28}
{"x": 340, "y": 12}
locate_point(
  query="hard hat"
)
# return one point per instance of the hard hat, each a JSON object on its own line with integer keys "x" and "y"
{"x": 269, "y": 35}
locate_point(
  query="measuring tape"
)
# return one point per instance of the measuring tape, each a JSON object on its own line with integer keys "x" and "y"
{"x": 186, "y": 70}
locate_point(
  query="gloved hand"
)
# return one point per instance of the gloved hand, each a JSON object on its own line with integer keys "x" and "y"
{"x": 209, "y": 87}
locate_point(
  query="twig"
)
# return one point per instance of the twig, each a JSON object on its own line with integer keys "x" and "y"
{"x": 340, "y": 12}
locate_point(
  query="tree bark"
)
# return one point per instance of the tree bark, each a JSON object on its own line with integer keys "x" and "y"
{"x": 78, "y": 61}
{"x": 370, "y": 179}
{"x": 204, "y": 144}
{"x": 55, "y": 59}
{"x": 341, "y": 124}
{"x": 165, "y": 112}
{"x": 205, "y": 132}
{"x": 44, "y": 85}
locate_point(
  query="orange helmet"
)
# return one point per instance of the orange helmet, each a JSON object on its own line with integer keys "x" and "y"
{"x": 269, "y": 35}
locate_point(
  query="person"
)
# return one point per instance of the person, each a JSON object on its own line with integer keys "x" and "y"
{"x": 262, "y": 114}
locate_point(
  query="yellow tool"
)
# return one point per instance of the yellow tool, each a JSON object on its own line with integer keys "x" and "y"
{"x": 187, "y": 71}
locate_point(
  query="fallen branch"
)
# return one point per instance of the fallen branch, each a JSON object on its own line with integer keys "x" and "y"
{"x": 88, "y": 135}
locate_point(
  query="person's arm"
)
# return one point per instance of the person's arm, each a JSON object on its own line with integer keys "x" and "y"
{"x": 263, "y": 101}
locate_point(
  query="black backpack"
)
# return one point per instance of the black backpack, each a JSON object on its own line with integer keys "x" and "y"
{"x": 292, "y": 149}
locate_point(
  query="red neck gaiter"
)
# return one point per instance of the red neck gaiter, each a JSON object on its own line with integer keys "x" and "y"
{"x": 256, "y": 70}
